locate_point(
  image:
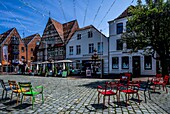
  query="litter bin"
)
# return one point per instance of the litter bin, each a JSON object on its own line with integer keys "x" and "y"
{"x": 64, "y": 74}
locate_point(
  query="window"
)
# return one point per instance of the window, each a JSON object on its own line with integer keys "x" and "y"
{"x": 32, "y": 49}
{"x": 38, "y": 43}
{"x": 119, "y": 44}
{"x": 128, "y": 45}
{"x": 78, "y": 36}
{"x": 115, "y": 62}
{"x": 61, "y": 51}
{"x": 78, "y": 49}
{"x": 22, "y": 57}
{"x": 90, "y": 34}
{"x": 91, "y": 48}
{"x": 32, "y": 58}
{"x": 100, "y": 47}
{"x": 148, "y": 62}
{"x": 127, "y": 28}
{"x": 119, "y": 28}
{"x": 71, "y": 50}
{"x": 15, "y": 57}
{"x": 22, "y": 48}
{"x": 125, "y": 62}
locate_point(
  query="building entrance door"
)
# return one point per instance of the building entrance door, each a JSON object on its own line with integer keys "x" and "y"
{"x": 136, "y": 66}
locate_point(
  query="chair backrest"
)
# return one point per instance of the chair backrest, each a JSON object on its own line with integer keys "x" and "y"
{"x": 114, "y": 86}
{"x": 158, "y": 75}
{"x": 13, "y": 85}
{"x": 26, "y": 86}
{"x": 166, "y": 79}
{"x": 124, "y": 80}
{"x": 2, "y": 84}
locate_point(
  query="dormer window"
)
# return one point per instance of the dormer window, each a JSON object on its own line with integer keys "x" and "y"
{"x": 119, "y": 28}
{"x": 90, "y": 34}
{"x": 78, "y": 36}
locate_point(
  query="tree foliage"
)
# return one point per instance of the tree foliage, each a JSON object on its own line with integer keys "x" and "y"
{"x": 149, "y": 26}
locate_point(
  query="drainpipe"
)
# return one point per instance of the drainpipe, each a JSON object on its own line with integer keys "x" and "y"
{"x": 108, "y": 55}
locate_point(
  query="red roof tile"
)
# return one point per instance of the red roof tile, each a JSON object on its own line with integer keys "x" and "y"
{"x": 26, "y": 40}
{"x": 5, "y": 34}
{"x": 124, "y": 14}
{"x": 65, "y": 30}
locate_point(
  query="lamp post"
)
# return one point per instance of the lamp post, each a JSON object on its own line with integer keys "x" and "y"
{"x": 101, "y": 64}
{"x": 95, "y": 58}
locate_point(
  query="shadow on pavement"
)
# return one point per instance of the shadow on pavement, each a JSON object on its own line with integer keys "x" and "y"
{"x": 10, "y": 103}
{"x": 95, "y": 107}
{"x": 94, "y": 85}
{"x": 5, "y": 109}
{"x": 22, "y": 106}
{"x": 121, "y": 104}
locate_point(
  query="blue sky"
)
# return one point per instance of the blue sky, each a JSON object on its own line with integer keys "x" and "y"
{"x": 31, "y": 16}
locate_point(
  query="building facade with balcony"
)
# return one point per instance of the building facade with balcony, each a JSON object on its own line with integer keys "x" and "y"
{"x": 121, "y": 60}
{"x": 54, "y": 40}
{"x": 11, "y": 53}
{"x": 82, "y": 45}
{"x": 31, "y": 43}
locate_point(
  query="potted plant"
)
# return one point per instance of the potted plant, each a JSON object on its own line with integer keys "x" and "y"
{"x": 46, "y": 71}
{"x": 27, "y": 70}
{"x": 55, "y": 71}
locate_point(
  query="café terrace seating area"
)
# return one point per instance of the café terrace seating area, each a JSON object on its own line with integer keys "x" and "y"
{"x": 131, "y": 88}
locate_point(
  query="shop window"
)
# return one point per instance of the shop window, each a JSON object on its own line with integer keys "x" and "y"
{"x": 148, "y": 62}
{"x": 115, "y": 62}
{"x": 125, "y": 62}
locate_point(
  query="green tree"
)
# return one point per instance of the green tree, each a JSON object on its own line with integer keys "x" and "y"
{"x": 148, "y": 28}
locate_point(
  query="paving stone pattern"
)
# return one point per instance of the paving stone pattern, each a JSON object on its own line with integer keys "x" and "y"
{"x": 79, "y": 96}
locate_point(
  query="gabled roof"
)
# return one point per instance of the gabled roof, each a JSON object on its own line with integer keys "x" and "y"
{"x": 124, "y": 14}
{"x": 69, "y": 28}
{"x": 89, "y": 27}
{"x": 26, "y": 40}
{"x": 65, "y": 30}
{"x": 58, "y": 26}
{"x": 86, "y": 27}
{"x": 5, "y": 34}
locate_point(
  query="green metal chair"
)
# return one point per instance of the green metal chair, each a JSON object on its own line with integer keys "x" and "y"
{"x": 30, "y": 91}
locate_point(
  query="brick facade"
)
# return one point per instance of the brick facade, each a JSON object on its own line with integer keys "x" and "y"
{"x": 31, "y": 47}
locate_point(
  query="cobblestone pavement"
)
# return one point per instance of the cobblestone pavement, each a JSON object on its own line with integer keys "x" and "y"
{"x": 79, "y": 96}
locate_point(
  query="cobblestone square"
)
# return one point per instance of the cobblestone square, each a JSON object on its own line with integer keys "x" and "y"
{"x": 79, "y": 96}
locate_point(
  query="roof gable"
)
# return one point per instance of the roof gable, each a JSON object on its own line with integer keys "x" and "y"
{"x": 69, "y": 29}
{"x": 58, "y": 26}
{"x": 65, "y": 31}
{"x": 28, "y": 39}
{"x": 5, "y": 35}
{"x": 126, "y": 13}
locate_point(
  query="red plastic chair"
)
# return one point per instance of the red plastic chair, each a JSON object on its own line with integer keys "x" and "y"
{"x": 163, "y": 82}
{"x": 128, "y": 88}
{"x": 110, "y": 89}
